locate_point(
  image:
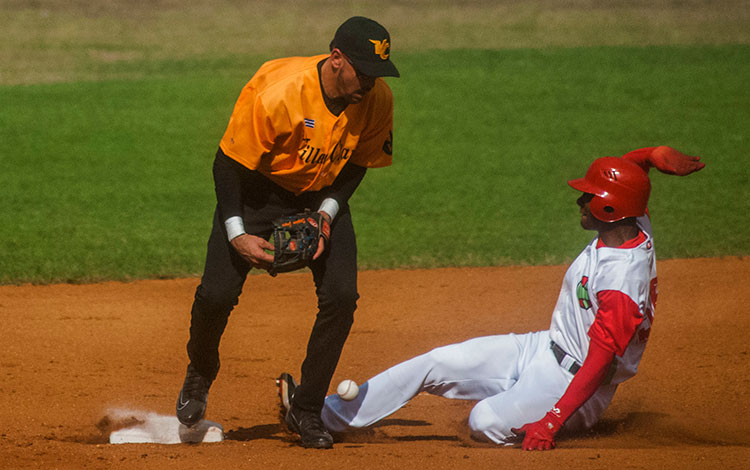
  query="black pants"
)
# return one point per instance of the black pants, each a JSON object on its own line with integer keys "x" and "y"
{"x": 334, "y": 274}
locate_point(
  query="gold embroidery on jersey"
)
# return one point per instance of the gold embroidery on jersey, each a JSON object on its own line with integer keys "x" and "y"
{"x": 382, "y": 48}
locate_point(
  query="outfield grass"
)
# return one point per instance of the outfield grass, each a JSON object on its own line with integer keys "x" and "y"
{"x": 111, "y": 179}
{"x": 45, "y": 41}
{"x": 112, "y": 110}
{"x": 485, "y": 158}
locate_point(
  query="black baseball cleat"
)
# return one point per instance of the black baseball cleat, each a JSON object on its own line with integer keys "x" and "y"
{"x": 312, "y": 432}
{"x": 286, "y": 385}
{"x": 191, "y": 404}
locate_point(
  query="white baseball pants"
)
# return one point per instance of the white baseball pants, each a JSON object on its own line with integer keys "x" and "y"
{"x": 515, "y": 378}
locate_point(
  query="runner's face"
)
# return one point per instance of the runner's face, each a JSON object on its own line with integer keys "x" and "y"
{"x": 588, "y": 221}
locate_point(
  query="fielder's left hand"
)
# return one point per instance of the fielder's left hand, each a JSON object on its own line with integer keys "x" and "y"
{"x": 325, "y": 234}
{"x": 540, "y": 435}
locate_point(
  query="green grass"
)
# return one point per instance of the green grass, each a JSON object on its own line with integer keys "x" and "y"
{"x": 108, "y": 179}
{"x": 112, "y": 179}
{"x": 77, "y": 40}
{"x": 485, "y": 145}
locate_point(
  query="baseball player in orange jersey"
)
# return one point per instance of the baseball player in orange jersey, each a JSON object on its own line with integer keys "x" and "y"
{"x": 302, "y": 134}
{"x": 529, "y": 385}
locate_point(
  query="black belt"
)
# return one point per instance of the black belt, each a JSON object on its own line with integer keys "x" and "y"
{"x": 560, "y": 355}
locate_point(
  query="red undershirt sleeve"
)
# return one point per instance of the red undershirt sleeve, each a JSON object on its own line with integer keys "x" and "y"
{"x": 641, "y": 157}
{"x": 615, "y": 324}
{"x": 586, "y": 381}
{"x": 616, "y": 321}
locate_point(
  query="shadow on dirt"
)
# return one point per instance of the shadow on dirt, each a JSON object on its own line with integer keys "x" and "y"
{"x": 650, "y": 429}
{"x": 274, "y": 432}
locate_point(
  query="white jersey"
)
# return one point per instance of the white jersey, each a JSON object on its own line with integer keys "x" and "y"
{"x": 631, "y": 271}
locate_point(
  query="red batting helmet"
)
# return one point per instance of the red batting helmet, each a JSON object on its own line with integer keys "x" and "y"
{"x": 620, "y": 188}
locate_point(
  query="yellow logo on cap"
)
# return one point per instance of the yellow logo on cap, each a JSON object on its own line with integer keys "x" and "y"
{"x": 382, "y": 48}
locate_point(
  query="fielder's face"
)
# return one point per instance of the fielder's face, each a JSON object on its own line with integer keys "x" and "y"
{"x": 352, "y": 85}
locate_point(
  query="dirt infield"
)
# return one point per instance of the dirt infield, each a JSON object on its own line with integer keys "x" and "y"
{"x": 73, "y": 353}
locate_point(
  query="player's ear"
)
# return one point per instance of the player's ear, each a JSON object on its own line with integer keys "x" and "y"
{"x": 337, "y": 59}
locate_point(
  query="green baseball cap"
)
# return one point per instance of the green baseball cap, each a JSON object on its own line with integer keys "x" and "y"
{"x": 367, "y": 44}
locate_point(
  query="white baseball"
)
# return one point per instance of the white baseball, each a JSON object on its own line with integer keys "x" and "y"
{"x": 348, "y": 390}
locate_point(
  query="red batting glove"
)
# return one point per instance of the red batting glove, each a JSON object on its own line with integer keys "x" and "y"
{"x": 540, "y": 435}
{"x": 673, "y": 162}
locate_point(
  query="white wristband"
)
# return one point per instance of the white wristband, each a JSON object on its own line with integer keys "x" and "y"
{"x": 235, "y": 227}
{"x": 330, "y": 206}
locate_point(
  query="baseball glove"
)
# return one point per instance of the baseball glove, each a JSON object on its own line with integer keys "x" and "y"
{"x": 295, "y": 240}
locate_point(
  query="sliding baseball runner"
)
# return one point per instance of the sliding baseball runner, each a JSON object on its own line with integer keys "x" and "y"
{"x": 529, "y": 385}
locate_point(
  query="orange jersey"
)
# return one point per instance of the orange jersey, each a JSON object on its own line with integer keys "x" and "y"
{"x": 282, "y": 128}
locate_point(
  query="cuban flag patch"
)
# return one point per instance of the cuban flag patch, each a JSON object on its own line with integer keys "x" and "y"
{"x": 310, "y": 123}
